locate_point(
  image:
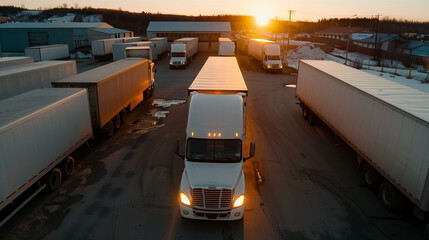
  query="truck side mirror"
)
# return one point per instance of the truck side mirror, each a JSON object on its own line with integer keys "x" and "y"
{"x": 177, "y": 148}
{"x": 252, "y": 151}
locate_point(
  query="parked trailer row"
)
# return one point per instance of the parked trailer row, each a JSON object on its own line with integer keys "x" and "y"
{"x": 38, "y": 132}
{"x": 386, "y": 123}
{"x": 113, "y": 89}
{"x": 14, "y": 61}
{"x": 48, "y": 52}
{"x": 26, "y": 77}
{"x": 102, "y": 48}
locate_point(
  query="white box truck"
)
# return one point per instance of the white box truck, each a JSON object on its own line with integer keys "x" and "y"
{"x": 103, "y": 48}
{"x": 386, "y": 123}
{"x": 267, "y": 53}
{"x": 118, "y": 49}
{"x": 39, "y": 130}
{"x": 26, "y": 77}
{"x": 213, "y": 185}
{"x": 161, "y": 44}
{"x": 113, "y": 89}
{"x": 14, "y": 61}
{"x": 226, "y": 47}
{"x": 182, "y": 51}
{"x": 48, "y": 52}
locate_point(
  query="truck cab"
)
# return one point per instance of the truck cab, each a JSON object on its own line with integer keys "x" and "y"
{"x": 272, "y": 58}
{"x": 178, "y": 55}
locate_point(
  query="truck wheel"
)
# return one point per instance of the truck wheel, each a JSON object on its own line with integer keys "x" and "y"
{"x": 123, "y": 116}
{"x": 117, "y": 121}
{"x": 54, "y": 180}
{"x": 312, "y": 118}
{"x": 68, "y": 166}
{"x": 152, "y": 89}
{"x": 110, "y": 128}
{"x": 391, "y": 198}
{"x": 370, "y": 176}
{"x": 305, "y": 112}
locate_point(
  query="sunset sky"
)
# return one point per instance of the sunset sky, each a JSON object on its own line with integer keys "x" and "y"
{"x": 310, "y": 10}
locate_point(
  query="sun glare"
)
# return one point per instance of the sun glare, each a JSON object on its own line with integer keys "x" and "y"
{"x": 262, "y": 19}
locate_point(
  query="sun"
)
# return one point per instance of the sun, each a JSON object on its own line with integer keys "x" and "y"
{"x": 262, "y": 19}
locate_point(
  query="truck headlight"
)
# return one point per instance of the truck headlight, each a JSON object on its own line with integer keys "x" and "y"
{"x": 239, "y": 201}
{"x": 269, "y": 66}
{"x": 185, "y": 200}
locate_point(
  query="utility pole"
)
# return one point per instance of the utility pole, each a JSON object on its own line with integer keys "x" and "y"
{"x": 288, "y": 35}
{"x": 375, "y": 41}
{"x": 348, "y": 37}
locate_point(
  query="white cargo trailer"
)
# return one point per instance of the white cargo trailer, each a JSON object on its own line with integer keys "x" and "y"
{"x": 161, "y": 45}
{"x": 23, "y": 78}
{"x": 213, "y": 184}
{"x": 138, "y": 52}
{"x": 48, "y": 52}
{"x": 103, "y": 48}
{"x": 267, "y": 53}
{"x": 118, "y": 49}
{"x": 14, "y": 61}
{"x": 113, "y": 88}
{"x": 386, "y": 123}
{"x": 38, "y": 132}
{"x": 131, "y": 39}
{"x": 226, "y": 47}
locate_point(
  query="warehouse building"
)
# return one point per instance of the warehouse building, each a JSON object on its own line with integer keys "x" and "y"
{"x": 15, "y": 37}
{"x": 207, "y": 33}
{"x": 104, "y": 33}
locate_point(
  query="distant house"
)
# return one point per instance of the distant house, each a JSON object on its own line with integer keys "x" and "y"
{"x": 385, "y": 41}
{"x": 342, "y": 33}
{"x": 207, "y": 33}
{"x": 413, "y": 47}
{"x": 15, "y": 37}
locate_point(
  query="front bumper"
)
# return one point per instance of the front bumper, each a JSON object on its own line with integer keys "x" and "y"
{"x": 217, "y": 215}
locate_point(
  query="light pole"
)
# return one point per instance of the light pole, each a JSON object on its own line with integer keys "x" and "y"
{"x": 348, "y": 37}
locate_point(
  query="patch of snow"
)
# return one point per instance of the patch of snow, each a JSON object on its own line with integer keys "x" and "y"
{"x": 92, "y": 18}
{"x": 80, "y": 55}
{"x": 167, "y": 103}
{"x": 307, "y": 51}
{"x": 68, "y": 18}
{"x": 158, "y": 114}
{"x": 28, "y": 13}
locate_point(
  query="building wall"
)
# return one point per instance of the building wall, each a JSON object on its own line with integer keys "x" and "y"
{"x": 16, "y": 40}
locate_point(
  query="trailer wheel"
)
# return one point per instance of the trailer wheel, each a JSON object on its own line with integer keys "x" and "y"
{"x": 110, "y": 128}
{"x": 312, "y": 118}
{"x": 123, "y": 115}
{"x": 391, "y": 198}
{"x": 117, "y": 121}
{"x": 54, "y": 180}
{"x": 370, "y": 176}
{"x": 68, "y": 166}
{"x": 305, "y": 112}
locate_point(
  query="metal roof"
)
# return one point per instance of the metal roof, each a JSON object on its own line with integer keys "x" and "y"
{"x": 407, "y": 99}
{"x": 189, "y": 27}
{"x": 110, "y": 30}
{"x": 219, "y": 74}
{"x": 54, "y": 25}
{"x": 381, "y": 37}
{"x": 4, "y": 72}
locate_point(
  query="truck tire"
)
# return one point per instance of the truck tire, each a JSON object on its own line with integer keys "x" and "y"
{"x": 53, "y": 180}
{"x": 391, "y": 198}
{"x": 117, "y": 120}
{"x": 371, "y": 177}
{"x": 68, "y": 166}
{"x": 110, "y": 128}
{"x": 305, "y": 112}
{"x": 312, "y": 118}
{"x": 152, "y": 89}
{"x": 123, "y": 115}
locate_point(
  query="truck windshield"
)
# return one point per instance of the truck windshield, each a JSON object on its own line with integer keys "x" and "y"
{"x": 210, "y": 150}
{"x": 178, "y": 54}
{"x": 273, "y": 57}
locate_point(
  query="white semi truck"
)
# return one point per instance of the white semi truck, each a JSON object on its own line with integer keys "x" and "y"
{"x": 267, "y": 53}
{"x": 182, "y": 51}
{"x": 39, "y": 130}
{"x": 213, "y": 184}
{"x": 226, "y": 47}
{"x": 386, "y": 123}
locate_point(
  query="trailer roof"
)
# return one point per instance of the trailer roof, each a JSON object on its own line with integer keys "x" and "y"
{"x": 261, "y": 40}
{"x": 48, "y": 46}
{"x": 9, "y": 59}
{"x": 219, "y": 74}
{"x": 99, "y": 74}
{"x": 407, "y": 99}
{"x": 15, "y": 108}
{"x": 30, "y": 67}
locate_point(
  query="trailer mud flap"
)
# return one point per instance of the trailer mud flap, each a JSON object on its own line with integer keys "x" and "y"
{"x": 136, "y": 101}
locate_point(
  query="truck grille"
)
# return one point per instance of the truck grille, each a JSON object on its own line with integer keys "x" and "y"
{"x": 176, "y": 62}
{"x": 275, "y": 66}
{"x": 212, "y": 198}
